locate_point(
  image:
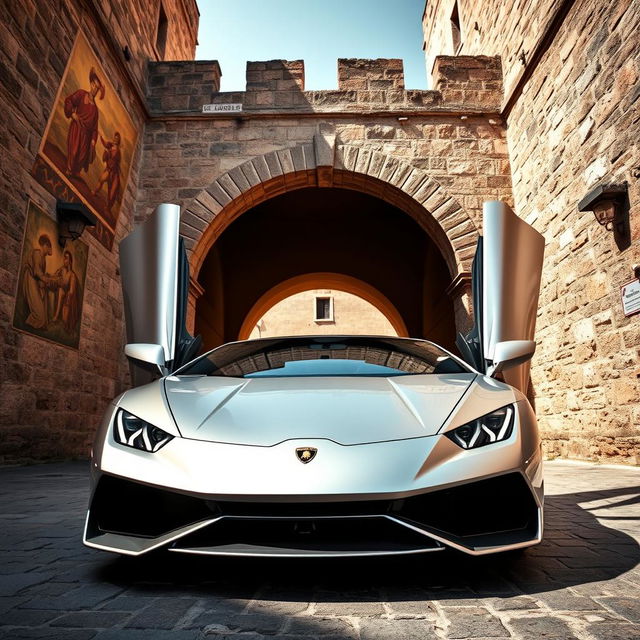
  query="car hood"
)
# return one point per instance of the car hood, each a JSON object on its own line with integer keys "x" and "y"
{"x": 347, "y": 410}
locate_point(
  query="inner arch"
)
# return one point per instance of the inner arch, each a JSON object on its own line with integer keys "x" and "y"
{"x": 325, "y": 230}
{"x": 333, "y": 281}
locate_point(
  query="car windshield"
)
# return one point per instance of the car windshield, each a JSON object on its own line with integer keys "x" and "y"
{"x": 324, "y": 356}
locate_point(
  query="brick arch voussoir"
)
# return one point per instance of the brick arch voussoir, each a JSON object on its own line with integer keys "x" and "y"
{"x": 392, "y": 179}
{"x": 440, "y": 214}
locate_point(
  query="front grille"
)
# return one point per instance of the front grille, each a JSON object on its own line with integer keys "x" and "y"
{"x": 302, "y": 509}
{"x": 486, "y": 512}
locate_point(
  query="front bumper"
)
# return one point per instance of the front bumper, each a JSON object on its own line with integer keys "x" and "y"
{"x": 398, "y": 497}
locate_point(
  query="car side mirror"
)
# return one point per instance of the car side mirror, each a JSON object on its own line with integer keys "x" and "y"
{"x": 511, "y": 353}
{"x": 152, "y": 354}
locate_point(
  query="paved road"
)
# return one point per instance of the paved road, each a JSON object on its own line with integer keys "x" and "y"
{"x": 582, "y": 582}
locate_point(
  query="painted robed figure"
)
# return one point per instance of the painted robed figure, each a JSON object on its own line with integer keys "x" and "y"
{"x": 52, "y": 282}
{"x": 87, "y": 149}
{"x": 81, "y": 108}
{"x": 35, "y": 281}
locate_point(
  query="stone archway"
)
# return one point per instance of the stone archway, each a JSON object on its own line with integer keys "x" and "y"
{"x": 323, "y": 164}
{"x": 309, "y": 281}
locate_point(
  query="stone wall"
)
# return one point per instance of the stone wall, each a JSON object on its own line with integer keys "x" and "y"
{"x": 563, "y": 120}
{"x": 182, "y": 86}
{"x": 454, "y": 135}
{"x": 53, "y": 396}
{"x": 370, "y": 75}
{"x": 364, "y": 86}
{"x": 572, "y": 124}
{"x": 511, "y": 30}
{"x": 134, "y": 24}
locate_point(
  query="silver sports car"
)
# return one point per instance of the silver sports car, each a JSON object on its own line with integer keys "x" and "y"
{"x": 325, "y": 445}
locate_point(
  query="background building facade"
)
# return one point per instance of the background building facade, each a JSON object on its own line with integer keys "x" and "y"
{"x": 370, "y": 184}
{"x": 322, "y": 312}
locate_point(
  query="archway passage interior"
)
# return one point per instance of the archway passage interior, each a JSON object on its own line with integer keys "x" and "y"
{"x": 293, "y": 295}
{"x": 332, "y": 230}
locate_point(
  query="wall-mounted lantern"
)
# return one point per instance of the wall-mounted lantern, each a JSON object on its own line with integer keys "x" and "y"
{"x": 609, "y": 206}
{"x": 73, "y": 217}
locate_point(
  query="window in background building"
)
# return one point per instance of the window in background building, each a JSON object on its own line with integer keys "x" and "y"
{"x": 324, "y": 309}
{"x": 456, "y": 34}
{"x": 161, "y": 34}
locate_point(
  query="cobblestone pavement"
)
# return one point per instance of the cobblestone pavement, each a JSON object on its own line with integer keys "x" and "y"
{"x": 581, "y": 582}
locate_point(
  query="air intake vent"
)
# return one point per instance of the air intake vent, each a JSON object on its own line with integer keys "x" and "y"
{"x": 488, "y": 507}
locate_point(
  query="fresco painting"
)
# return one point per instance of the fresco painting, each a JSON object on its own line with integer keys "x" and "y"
{"x": 51, "y": 283}
{"x": 87, "y": 148}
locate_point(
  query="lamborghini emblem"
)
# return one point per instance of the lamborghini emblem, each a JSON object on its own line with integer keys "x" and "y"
{"x": 306, "y": 454}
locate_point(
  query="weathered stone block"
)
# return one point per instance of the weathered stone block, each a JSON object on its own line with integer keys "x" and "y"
{"x": 380, "y": 132}
{"x": 388, "y": 73}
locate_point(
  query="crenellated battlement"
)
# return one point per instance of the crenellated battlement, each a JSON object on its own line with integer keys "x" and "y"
{"x": 275, "y": 75}
{"x": 467, "y": 78}
{"x": 361, "y": 74}
{"x": 183, "y": 85}
{"x": 463, "y": 83}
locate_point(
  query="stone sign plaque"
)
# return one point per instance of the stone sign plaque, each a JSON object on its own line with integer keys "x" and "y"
{"x": 222, "y": 108}
{"x": 630, "y": 294}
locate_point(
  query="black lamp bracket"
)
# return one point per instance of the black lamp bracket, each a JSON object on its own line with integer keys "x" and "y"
{"x": 603, "y": 193}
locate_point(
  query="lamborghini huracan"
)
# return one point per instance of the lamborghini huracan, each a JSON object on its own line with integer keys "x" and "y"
{"x": 319, "y": 446}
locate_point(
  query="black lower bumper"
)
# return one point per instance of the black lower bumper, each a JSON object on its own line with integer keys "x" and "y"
{"x": 492, "y": 514}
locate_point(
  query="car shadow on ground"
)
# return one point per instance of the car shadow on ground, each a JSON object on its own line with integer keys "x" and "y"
{"x": 582, "y": 579}
{"x": 578, "y": 548}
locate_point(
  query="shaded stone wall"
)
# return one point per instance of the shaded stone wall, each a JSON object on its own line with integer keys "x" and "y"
{"x": 134, "y": 24}
{"x": 573, "y": 124}
{"x": 187, "y": 84}
{"x": 53, "y": 396}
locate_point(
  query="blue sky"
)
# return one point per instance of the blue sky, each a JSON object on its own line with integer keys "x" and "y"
{"x": 318, "y": 31}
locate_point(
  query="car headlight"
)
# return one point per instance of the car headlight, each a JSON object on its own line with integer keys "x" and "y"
{"x": 494, "y": 427}
{"x": 132, "y": 431}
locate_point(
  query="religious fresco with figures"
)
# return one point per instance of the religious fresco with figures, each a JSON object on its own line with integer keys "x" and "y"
{"x": 87, "y": 149}
{"x": 51, "y": 283}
